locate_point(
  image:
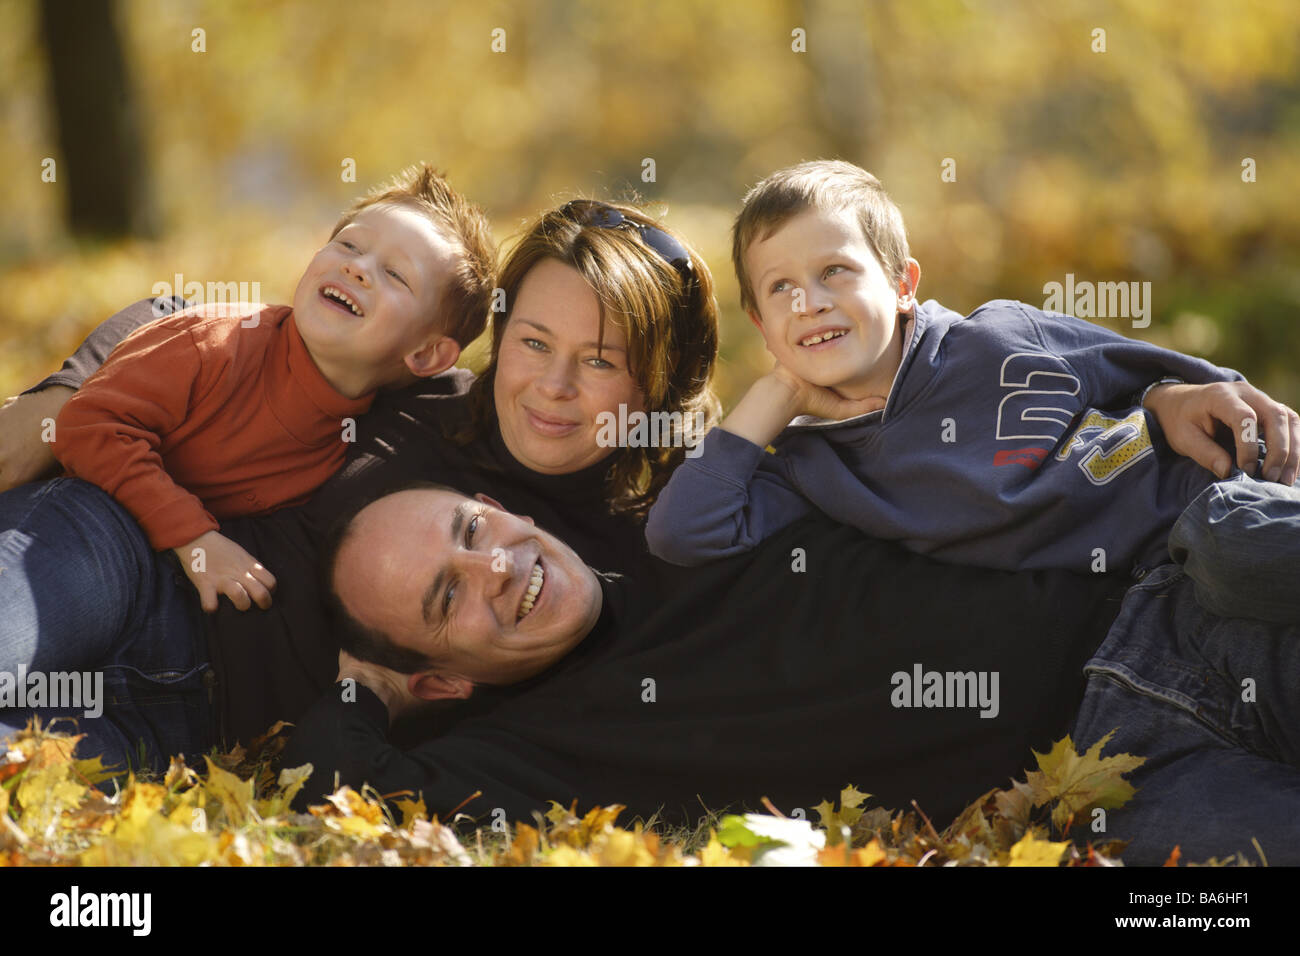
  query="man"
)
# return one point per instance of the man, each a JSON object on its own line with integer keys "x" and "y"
{"x": 780, "y": 673}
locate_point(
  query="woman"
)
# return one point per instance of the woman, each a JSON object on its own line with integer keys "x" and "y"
{"x": 606, "y": 312}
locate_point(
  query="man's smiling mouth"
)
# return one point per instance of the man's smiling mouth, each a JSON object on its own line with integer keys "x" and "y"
{"x": 532, "y": 592}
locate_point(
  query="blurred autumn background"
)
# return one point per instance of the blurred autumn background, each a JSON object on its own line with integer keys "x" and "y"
{"x": 221, "y": 155}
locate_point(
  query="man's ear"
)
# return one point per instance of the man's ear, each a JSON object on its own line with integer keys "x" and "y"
{"x": 437, "y": 356}
{"x": 489, "y": 500}
{"x": 434, "y": 685}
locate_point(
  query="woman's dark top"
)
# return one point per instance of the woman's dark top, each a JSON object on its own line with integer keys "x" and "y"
{"x": 272, "y": 665}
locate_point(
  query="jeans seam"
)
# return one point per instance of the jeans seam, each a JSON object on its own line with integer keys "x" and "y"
{"x": 1126, "y": 677}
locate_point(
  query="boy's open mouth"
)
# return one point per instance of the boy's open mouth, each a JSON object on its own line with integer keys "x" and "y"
{"x": 817, "y": 338}
{"x": 532, "y": 592}
{"x": 336, "y": 295}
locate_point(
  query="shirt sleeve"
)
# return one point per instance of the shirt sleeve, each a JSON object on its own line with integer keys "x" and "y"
{"x": 722, "y": 503}
{"x": 109, "y": 433}
{"x": 105, "y": 337}
{"x": 1114, "y": 369}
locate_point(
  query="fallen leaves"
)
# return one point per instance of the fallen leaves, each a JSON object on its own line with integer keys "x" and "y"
{"x": 56, "y": 809}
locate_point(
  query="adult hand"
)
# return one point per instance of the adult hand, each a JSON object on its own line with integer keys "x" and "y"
{"x": 227, "y": 569}
{"x": 1190, "y": 414}
{"x": 389, "y": 686}
{"x": 23, "y": 455}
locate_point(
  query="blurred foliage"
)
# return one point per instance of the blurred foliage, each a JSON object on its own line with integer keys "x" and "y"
{"x": 1114, "y": 166}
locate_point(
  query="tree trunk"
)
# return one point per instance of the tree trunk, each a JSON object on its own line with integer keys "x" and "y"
{"x": 103, "y": 167}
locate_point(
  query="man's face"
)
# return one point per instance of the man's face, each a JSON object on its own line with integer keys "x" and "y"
{"x": 367, "y": 302}
{"x": 488, "y": 594}
{"x": 826, "y": 308}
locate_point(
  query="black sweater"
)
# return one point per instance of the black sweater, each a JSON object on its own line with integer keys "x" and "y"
{"x": 767, "y": 682}
{"x": 272, "y": 665}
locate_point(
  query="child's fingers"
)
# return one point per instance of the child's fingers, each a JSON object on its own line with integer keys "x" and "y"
{"x": 208, "y": 597}
{"x": 263, "y": 576}
{"x": 256, "y": 590}
{"x": 235, "y": 591}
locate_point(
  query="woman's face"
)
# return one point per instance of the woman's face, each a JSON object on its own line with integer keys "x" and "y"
{"x": 551, "y": 382}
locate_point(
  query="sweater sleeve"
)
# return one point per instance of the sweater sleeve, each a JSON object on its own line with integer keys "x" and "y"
{"x": 1113, "y": 369}
{"x": 105, "y": 337}
{"x": 109, "y": 433}
{"x": 722, "y": 503}
{"x": 347, "y": 743}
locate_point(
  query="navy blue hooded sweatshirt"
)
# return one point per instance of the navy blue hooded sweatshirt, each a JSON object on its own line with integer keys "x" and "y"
{"x": 1011, "y": 439}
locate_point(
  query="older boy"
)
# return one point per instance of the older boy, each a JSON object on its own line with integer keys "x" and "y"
{"x": 220, "y": 411}
{"x": 1012, "y": 438}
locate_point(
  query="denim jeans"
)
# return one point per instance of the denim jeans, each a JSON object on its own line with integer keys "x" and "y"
{"x": 81, "y": 590}
{"x": 1239, "y": 542}
{"x": 1213, "y": 704}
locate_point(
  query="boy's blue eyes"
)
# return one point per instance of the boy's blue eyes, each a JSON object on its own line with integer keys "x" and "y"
{"x": 780, "y": 285}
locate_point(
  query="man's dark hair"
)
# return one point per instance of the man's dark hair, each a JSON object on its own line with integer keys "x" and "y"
{"x": 362, "y": 642}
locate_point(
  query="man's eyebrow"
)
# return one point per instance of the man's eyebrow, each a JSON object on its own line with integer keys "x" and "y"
{"x": 583, "y": 345}
{"x": 430, "y": 599}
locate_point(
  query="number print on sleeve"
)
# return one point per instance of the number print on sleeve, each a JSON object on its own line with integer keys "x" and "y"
{"x": 1113, "y": 445}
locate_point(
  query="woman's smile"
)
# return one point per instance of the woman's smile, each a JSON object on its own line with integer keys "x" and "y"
{"x": 549, "y": 425}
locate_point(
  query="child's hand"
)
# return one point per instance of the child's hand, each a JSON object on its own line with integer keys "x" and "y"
{"x": 226, "y": 569}
{"x": 809, "y": 399}
{"x": 779, "y": 396}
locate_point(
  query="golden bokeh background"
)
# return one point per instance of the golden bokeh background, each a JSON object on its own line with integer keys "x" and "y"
{"x": 1123, "y": 163}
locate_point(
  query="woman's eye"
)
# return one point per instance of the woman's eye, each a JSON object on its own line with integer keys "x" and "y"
{"x": 535, "y": 345}
{"x": 446, "y": 600}
{"x": 601, "y": 363}
{"x": 831, "y": 270}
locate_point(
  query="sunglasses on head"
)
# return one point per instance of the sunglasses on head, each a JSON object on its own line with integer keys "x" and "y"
{"x": 589, "y": 212}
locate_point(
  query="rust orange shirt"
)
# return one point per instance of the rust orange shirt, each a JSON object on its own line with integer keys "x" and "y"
{"x": 214, "y": 412}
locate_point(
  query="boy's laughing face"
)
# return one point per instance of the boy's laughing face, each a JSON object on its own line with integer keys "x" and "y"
{"x": 826, "y": 308}
{"x": 367, "y": 303}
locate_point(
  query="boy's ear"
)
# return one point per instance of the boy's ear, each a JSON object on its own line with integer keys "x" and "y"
{"x": 753, "y": 317}
{"x": 437, "y": 356}
{"x": 908, "y": 284}
{"x": 434, "y": 685}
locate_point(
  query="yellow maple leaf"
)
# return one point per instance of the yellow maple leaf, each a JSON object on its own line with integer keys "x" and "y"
{"x": 236, "y": 795}
{"x": 1031, "y": 851}
{"x": 715, "y": 854}
{"x": 1081, "y": 782}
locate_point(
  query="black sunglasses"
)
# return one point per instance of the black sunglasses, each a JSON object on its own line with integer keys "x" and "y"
{"x": 589, "y": 212}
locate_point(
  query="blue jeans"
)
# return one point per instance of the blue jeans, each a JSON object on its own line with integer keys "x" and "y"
{"x": 81, "y": 590}
{"x": 1239, "y": 542}
{"x": 1213, "y": 704}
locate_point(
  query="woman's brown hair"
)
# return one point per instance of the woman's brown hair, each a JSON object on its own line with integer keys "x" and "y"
{"x": 670, "y": 316}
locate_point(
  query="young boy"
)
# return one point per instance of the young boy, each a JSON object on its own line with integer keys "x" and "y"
{"x": 1011, "y": 438}
{"x": 226, "y": 410}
